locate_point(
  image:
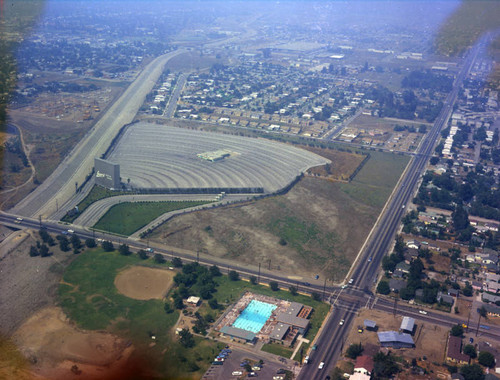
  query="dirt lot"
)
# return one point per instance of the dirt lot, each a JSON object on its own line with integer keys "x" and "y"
{"x": 28, "y": 283}
{"x": 53, "y": 346}
{"x": 430, "y": 340}
{"x": 343, "y": 163}
{"x": 143, "y": 283}
{"x": 314, "y": 228}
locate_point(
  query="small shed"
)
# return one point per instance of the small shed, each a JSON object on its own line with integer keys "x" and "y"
{"x": 370, "y": 325}
{"x": 407, "y": 325}
{"x": 192, "y": 300}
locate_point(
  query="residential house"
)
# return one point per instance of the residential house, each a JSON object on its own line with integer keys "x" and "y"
{"x": 396, "y": 285}
{"x": 445, "y": 298}
{"x": 403, "y": 267}
{"x": 364, "y": 364}
{"x": 454, "y": 351}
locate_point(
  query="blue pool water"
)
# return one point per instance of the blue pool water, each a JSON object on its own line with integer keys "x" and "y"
{"x": 254, "y": 316}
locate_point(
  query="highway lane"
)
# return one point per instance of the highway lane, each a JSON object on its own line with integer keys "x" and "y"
{"x": 59, "y": 187}
{"x": 365, "y": 270}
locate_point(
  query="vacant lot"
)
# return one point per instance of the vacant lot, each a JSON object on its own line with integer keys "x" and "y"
{"x": 317, "y": 227}
{"x": 343, "y": 163}
{"x": 141, "y": 283}
{"x": 430, "y": 340}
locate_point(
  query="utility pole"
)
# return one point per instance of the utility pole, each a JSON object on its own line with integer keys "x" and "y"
{"x": 40, "y": 220}
{"x": 197, "y": 256}
{"x": 324, "y": 288}
{"x": 258, "y": 276}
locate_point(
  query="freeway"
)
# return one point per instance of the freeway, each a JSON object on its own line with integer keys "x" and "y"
{"x": 365, "y": 269}
{"x": 59, "y": 187}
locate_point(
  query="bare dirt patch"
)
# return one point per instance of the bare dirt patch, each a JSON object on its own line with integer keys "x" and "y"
{"x": 430, "y": 340}
{"x": 342, "y": 167}
{"x": 142, "y": 283}
{"x": 316, "y": 227}
{"x": 54, "y": 347}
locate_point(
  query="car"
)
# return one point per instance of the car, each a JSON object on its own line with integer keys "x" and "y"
{"x": 370, "y": 259}
{"x": 256, "y": 368}
{"x": 360, "y": 330}
{"x": 150, "y": 250}
{"x": 306, "y": 284}
{"x": 219, "y": 360}
{"x": 18, "y": 220}
{"x": 306, "y": 360}
{"x": 471, "y": 340}
{"x": 71, "y": 232}
{"x": 278, "y": 377}
{"x": 343, "y": 286}
{"x": 341, "y": 322}
{"x": 314, "y": 347}
{"x": 280, "y": 371}
{"x": 316, "y": 277}
{"x": 422, "y": 312}
{"x": 321, "y": 365}
{"x": 252, "y": 374}
{"x": 237, "y": 373}
{"x": 351, "y": 281}
{"x": 464, "y": 325}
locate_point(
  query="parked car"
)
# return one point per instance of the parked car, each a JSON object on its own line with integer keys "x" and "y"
{"x": 321, "y": 365}
{"x": 341, "y": 322}
{"x": 422, "y": 312}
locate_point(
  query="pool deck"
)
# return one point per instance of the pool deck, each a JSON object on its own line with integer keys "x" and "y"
{"x": 231, "y": 316}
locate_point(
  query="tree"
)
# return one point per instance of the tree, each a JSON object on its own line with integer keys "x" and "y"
{"x": 486, "y": 358}
{"x": 470, "y": 350}
{"x": 457, "y": 330}
{"x": 215, "y": 271}
{"x": 354, "y": 351}
{"x": 316, "y": 296}
{"x": 253, "y": 280}
{"x": 293, "y": 290}
{"x": 234, "y": 276}
{"x": 75, "y": 241}
{"x": 176, "y": 262}
{"x": 384, "y": 366}
{"x": 460, "y": 218}
{"x": 186, "y": 338}
{"x": 178, "y": 303}
{"x": 90, "y": 243}
{"x": 472, "y": 372}
{"x": 143, "y": 255}
{"x": 159, "y": 259}
{"x": 213, "y": 303}
{"x": 34, "y": 251}
{"x": 383, "y": 287}
{"x": 274, "y": 286}
{"x": 124, "y": 250}
{"x": 107, "y": 246}
{"x": 63, "y": 243}
{"x": 168, "y": 308}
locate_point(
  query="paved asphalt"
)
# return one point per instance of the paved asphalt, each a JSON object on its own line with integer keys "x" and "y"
{"x": 366, "y": 270}
{"x": 60, "y": 186}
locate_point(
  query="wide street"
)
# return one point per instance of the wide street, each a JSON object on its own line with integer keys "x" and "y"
{"x": 56, "y": 190}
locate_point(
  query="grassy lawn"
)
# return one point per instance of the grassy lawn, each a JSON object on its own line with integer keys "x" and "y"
{"x": 277, "y": 349}
{"x": 97, "y": 193}
{"x": 126, "y": 218}
{"x": 376, "y": 180}
{"x": 90, "y": 299}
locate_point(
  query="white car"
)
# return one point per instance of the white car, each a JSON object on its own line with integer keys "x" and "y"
{"x": 341, "y": 322}
{"x": 351, "y": 281}
{"x": 321, "y": 365}
{"x": 306, "y": 360}
{"x": 237, "y": 373}
{"x": 422, "y": 312}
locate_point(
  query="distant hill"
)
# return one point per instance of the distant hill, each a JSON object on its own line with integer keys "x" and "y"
{"x": 465, "y": 26}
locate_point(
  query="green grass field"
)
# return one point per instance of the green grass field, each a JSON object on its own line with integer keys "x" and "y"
{"x": 376, "y": 180}
{"x": 277, "y": 349}
{"x": 126, "y": 218}
{"x": 95, "y": 194}
{"x": 92, "y": 302}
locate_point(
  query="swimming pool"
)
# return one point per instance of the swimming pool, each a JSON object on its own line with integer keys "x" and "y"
{"x": 254, "y": 316}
